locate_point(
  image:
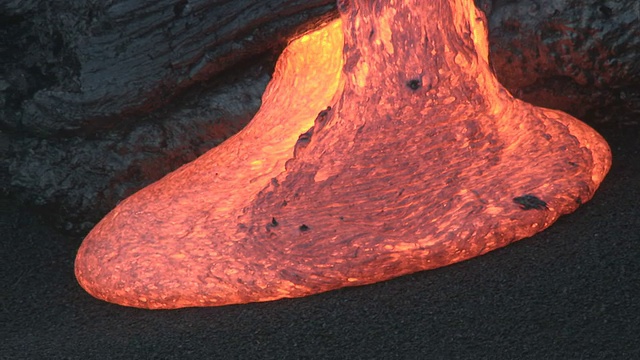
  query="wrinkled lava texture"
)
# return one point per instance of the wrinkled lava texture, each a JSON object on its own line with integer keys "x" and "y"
{"x": 417, "y": 158}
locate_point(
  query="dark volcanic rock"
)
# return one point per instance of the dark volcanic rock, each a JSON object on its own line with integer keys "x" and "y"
{"x": 74, "y": 65}
{"x": 98, "y": 99}
{"x": 573, "y": 55}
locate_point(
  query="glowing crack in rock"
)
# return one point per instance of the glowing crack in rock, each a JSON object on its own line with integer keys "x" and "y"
{"x": 384, "y": 146}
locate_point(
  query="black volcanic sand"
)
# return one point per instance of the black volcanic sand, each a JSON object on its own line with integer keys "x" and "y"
{"x": 572, "y": 291}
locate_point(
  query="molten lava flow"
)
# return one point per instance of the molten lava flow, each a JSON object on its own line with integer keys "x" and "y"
{"x": 408, "y": 156}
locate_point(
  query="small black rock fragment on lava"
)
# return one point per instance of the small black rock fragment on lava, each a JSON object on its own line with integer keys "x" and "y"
{"x": 528, "y": 202}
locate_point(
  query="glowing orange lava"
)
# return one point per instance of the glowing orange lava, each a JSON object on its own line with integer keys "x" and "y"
{"x": 399, "y": 153}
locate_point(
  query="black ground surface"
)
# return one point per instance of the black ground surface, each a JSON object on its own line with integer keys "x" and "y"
{"x": 570, "y": 292}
